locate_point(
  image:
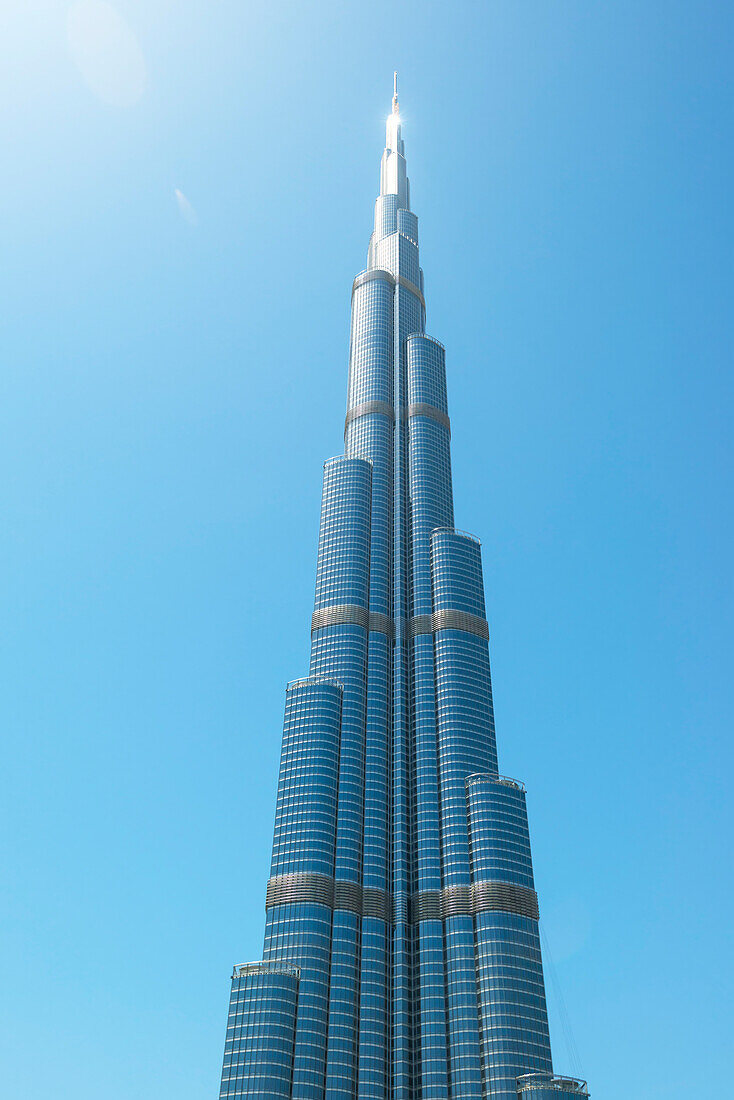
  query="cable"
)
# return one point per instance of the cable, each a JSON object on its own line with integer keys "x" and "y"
{"x": 571, "y": 1047}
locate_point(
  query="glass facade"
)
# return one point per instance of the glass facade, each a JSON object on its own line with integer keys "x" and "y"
{"x": 402, "y": 958}
{"x": 261, "y": 1028}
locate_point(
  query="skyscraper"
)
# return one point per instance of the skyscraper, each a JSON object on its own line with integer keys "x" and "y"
{"x": 402, "y": 958}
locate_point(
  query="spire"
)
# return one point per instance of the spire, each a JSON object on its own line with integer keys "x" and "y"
{"x": 393, "y": 179}
{"x": 393, "y": 142}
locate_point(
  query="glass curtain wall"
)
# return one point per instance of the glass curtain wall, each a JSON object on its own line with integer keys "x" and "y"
{"x": 402, "y": 958}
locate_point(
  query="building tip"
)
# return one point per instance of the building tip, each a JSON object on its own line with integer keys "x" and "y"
{"x": 395, "y": 92}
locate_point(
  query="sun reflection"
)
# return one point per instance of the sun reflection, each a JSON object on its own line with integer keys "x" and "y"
{"x": 106, "y": 52}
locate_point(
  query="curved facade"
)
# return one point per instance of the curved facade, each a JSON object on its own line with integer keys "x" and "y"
{"x": 401, "y": 940}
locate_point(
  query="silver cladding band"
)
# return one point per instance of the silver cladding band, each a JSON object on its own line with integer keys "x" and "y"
{"x": 340, "y": 614}
{"x": 300, "y": 886}
{"x": 421, "y": 409}
{"x": 425, "y": 905}
{"x": 369, "y": 408}
{"x": 314, "y": 889}
{"x": 449, "y": 620}
{"x": 382, "y": 624}
{"x": 406, "y": 283}
{"x": 376, "y": 903}
{"x": 351, "y": 614}
{"x": 420, "y": 624}
{"x": 386, "y": 276}
{"x": 484, "y": 896}
{"x": 489, "y": 894}
{"x": 481, "y": 897}
{"x": 382, "y": 408}
{"x": 370, "y": 276}
{"x": 348, "y": 895}
{"x": 456, "y": 901}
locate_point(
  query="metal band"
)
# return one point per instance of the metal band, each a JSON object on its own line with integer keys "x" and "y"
{"x": 449, "y": 620}
{"x": 466, "y": 901}
{"x": 456, "y": 901}
{"x": 382, "y": 624}
{"x": 369, "y": 276}
{"x": 350, "y": 614}
{"x": 425, "y": 905}
{"x": 507, "y": 896}
{"x": 311, "y": 888}
{"x": 421, "y": 409}
{"x": 380, "y": 273}
{"x": 460, "y": 620}
{"x": 420, "y": 624}
{"x": 452, "y": 901}
{"x": 412, "y": 288}
{"x": 484, "y": 896}
{"x": 300, "y": 886}
{"x": 348, "y": 895}
{"x": 375, "y": 903}
{"x": 368, "y": 408}
{"x": 340, "y": 614}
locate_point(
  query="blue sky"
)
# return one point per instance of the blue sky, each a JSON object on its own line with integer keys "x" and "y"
{"x": 187, "y": 193}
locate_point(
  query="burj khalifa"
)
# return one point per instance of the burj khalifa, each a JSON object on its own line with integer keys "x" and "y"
{"x": 402, "y": 958}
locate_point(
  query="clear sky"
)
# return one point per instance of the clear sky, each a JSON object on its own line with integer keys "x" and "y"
{"x": 186, "y": 194}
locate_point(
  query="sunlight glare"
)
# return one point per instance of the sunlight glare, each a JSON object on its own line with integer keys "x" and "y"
{"x": 106, "y": 52}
